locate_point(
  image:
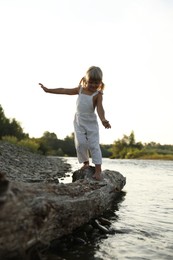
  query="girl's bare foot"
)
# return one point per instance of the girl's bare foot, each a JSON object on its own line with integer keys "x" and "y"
{"x": 85, "y": 165}
{"x": 97, "y": 176}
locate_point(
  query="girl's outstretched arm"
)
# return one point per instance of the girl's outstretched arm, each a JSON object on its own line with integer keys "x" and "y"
{"x": 66, "y": 91}
{"x": 101, "y": 112}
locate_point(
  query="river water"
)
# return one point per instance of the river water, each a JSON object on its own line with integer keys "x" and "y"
{"x": 142, "y": 218}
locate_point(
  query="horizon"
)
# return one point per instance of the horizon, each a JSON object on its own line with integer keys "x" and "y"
{"x": 70, "y": 134}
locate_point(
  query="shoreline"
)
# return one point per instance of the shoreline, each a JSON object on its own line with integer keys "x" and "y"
{"x": 17, "y": 163}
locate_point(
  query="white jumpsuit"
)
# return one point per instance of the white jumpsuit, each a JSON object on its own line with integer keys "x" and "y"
{"x": 86, "y": 129}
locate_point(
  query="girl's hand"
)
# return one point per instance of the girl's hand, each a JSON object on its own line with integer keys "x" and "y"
{"x": 106, "y": 123}
{"x": 43, "y": 87}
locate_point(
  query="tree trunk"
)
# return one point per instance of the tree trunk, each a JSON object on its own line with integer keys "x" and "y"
{"x": 40, "y": 212}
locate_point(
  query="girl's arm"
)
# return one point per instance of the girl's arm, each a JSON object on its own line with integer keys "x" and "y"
{"x": 101, "y": 112}
{"x": 66, "y": 91}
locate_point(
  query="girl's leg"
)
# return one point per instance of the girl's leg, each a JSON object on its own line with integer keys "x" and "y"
{"x": 85, "y": 165}
{"x": 97, "y": 174}
{"x": 81, "y": 145}
{"x": 94, "y": 147}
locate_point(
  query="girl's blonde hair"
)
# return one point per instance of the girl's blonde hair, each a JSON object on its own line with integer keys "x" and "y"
{"x": 94, "y": 74}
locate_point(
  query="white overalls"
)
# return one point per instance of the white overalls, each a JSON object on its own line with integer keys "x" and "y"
{"x": 86, "y": 129}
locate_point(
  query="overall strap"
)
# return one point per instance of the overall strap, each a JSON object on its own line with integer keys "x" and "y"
{"x": 80, "y": 89}
{"x": 95, "y": 93}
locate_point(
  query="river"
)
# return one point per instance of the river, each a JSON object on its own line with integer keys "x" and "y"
{"x": 143, "y": 217}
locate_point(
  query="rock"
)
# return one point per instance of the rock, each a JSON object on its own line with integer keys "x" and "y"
{"x": 19, "y": 164}
{"x": 36, "y": 213}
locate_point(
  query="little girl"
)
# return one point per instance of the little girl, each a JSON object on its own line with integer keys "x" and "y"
{"x": 86, "y": 130}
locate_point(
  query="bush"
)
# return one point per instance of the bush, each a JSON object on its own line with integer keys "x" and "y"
{"x": 32, "y": 145}
{"x": 10, "y": 139}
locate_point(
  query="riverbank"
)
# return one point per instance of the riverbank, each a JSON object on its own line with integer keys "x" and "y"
{"x": 36, "y": 213}
{"x": 19, "y": 164}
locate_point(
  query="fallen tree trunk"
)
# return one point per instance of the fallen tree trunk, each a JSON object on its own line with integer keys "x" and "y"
{"x": 41, "y": 212}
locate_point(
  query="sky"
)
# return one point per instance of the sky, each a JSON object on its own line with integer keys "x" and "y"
{"x": 54, "y": 42}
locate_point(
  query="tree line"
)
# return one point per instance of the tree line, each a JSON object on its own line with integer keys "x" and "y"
{"x": 49, "y": 144}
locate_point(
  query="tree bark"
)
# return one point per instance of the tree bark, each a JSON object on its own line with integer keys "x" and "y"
{"x": 32, "y": 213}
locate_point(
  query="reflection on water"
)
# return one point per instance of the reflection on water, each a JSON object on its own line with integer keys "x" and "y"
{"x": 142, "y": 218}
{"x": 73, "y": 247}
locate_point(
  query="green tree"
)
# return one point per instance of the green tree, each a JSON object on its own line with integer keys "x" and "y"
{"x": 68, "y": 146}
{"x": 3, "y": 122}
{"x": 48, "y": 143}
{"x": 10, "y": 127}
{"x": 13, "y": 128}
{"x": 106, "y": 150}
{"x": 126, "y": 147}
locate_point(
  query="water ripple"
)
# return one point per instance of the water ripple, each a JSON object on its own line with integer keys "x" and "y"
{"x": 143, "y": 220}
